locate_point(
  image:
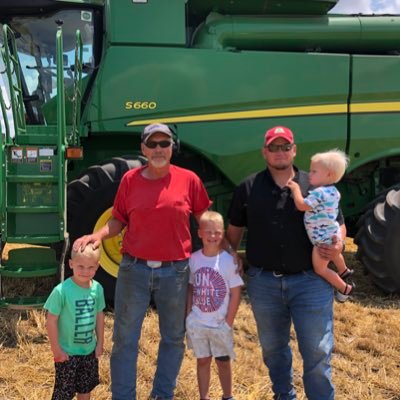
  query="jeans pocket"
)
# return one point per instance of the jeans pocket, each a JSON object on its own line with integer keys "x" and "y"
{"x": 181, "y": 267}
{"x": 126, "y": 263}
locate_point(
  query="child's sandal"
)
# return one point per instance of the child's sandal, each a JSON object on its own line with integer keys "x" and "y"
{"x": 348, "y": 290}
{"x": 347, "y": 273}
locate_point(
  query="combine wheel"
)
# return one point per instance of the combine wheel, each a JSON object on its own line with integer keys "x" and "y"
{"x": 378, "y": 240}
{"x": 90, "y": 199}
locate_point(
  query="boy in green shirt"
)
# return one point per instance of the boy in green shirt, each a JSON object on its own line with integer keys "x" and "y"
{"x": 75, "y": 325}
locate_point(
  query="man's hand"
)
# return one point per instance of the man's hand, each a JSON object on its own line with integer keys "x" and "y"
{"x": 111, "y": 229}
{"x": 83, "y": 241}
{"x": 330, "y": 251}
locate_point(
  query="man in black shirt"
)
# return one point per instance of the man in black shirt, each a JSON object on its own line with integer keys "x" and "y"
{"x": 282, "y": 285}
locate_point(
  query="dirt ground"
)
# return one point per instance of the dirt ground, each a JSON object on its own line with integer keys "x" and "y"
{"x": 366, "y": 361}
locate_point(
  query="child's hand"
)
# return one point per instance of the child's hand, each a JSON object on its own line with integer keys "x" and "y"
{"x": 293, "y": 186}
{"x": 98, "y": 351}
{"x": 60, "y": 356}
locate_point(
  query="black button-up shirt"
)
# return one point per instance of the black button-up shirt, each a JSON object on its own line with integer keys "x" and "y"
{"x": 276, "y": 236}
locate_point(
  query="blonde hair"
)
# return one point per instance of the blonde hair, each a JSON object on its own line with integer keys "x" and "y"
{"x": 335, "y": 161}
{"x": 211, "y": 216}
{"x": 89, "y": 252}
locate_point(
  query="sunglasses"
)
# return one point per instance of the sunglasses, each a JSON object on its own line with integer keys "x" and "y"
{"x": 274, "y": 148}
{"x": 153, "y": 144}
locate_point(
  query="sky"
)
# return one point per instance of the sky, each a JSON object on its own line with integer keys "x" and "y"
{"x": 367, "y": 7}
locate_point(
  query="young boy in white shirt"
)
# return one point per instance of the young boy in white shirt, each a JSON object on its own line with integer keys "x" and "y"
{"x": 213, "y": 300}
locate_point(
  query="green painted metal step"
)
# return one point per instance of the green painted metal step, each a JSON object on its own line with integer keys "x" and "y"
{"x": 34, "y": 239}
{"x": 33, "y": 209}
{"x": 23, "y": 303}
{"x": 29, "y": 262}
{"x": 32, "y": 178}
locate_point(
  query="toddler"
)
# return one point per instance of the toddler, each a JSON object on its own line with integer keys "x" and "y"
{"x": 321, "y": 208}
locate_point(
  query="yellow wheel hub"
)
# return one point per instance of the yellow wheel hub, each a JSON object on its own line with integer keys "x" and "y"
{"x": 111, "y": 256}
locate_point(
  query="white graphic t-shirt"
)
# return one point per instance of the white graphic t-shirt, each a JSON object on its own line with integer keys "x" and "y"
{"x": 212, "y": 278}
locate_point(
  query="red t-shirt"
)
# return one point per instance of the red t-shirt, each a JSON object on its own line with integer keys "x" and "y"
{"x": 156, "y": 213}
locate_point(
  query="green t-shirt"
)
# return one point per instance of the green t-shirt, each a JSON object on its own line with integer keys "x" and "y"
{"x": 77, "y": 309}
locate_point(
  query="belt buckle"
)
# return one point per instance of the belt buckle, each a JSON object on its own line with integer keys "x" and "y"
{"x": 154, "y": 264}
{"x": 277, "y": 274}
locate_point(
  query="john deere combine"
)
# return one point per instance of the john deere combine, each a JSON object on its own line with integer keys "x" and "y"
{"x": 82, "y": 79}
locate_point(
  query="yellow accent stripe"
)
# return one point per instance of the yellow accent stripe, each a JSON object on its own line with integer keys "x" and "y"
{"x": 375, "y": 107}
{"x": 277, "y": 112}
{"x": 252, "y": 114}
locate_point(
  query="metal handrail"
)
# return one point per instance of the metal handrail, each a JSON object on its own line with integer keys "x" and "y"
{"x": 61, "y": 123}
{"x": 77, "y": 98}
{"x": 13, "y": 71}
{"x": 3, "y": 106}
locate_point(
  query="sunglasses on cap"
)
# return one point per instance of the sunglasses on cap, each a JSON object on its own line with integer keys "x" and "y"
{"x": 152, "y": 144}
{"x": 274, "y": 148}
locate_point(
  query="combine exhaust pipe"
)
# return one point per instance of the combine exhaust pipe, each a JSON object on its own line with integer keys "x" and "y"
{"x": 327, "y": 33}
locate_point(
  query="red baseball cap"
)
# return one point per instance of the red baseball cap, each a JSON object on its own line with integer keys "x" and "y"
{"x": 278, "y": 132}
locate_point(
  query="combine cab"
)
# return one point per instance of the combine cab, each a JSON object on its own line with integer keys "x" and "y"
{"x": 220, "y": 73}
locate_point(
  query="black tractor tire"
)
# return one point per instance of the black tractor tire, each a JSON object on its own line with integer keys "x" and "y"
{"x": 88, "y": 197}
{"x": 378, "y": 241}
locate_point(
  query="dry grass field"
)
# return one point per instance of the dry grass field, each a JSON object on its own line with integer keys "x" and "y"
{"x": 366, "y": 361}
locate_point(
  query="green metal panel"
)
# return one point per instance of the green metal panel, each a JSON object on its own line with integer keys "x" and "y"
{"x": 374, "y": 135}
{"x": 33, "y": 191}
{"x": 38, "y": 161}
{"x": 203, "y": 83}
{"x": 33, "y": 224}
{"x": 234, "y": 147}
{"x": 150, "y": 22}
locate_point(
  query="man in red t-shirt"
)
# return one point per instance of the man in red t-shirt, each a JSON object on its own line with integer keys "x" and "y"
{"x": 154, "y": 203}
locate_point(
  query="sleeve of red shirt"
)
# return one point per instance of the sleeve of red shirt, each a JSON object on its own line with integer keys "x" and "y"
{"x": 200, "y": 200}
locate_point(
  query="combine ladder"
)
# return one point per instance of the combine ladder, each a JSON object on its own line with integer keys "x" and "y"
{"x": 33, "y": 182}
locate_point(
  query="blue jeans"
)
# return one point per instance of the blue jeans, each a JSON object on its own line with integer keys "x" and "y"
{"x": 306, "y": 299}
{"x": 136, "y": 284}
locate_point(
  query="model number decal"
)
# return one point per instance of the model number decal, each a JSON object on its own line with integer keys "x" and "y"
{"x": 140, "y": 105}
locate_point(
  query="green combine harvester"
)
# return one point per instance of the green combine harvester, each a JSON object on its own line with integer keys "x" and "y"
{"x": 82, "y": 78}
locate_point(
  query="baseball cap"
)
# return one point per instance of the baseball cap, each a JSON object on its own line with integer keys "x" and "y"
{"x": 278, "y": 132}
{"x": 154, "y": 128}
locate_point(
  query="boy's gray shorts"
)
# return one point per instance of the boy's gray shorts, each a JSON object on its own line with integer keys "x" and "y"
{"x": 209, "y": 341}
